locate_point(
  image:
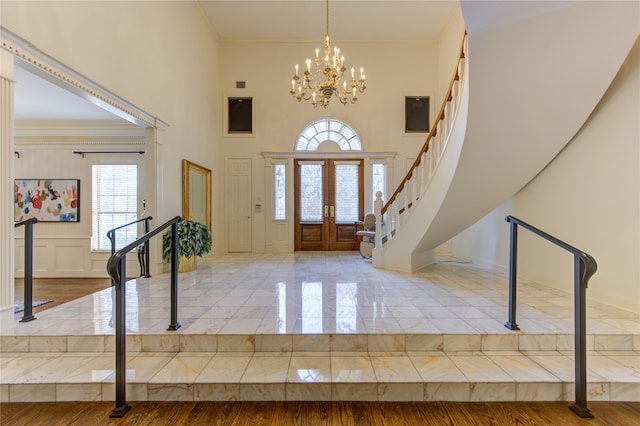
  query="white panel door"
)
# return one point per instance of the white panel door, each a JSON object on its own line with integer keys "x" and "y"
{"x": 239, "y": 204}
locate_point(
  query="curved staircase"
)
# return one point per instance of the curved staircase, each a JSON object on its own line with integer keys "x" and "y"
{"x": 536, "y": 71}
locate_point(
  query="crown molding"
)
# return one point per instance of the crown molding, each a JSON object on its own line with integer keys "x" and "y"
{"x": 74, "y": 142}
{"x": 75, "y": 128}
{"x": 54, "y": 71}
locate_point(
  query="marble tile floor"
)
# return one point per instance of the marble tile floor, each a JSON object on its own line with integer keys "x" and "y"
{"x": 322, "y": 326}
{"x": 318, "y": 376}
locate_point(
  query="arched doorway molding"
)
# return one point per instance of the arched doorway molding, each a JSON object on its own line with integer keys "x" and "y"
{"x": 328, "y": 134}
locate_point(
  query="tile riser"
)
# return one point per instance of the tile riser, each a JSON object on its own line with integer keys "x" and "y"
{"x": 452, "y": 391}
{"x": 317, "y": 343}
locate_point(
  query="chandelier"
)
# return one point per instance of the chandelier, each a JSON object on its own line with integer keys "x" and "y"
{"x": 319, "y": 83}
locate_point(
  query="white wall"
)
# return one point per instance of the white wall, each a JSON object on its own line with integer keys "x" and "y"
{"x": 160, "y": 56}
{"x": 448, "y": 49}
{"x": 589, "y": 196}
{"x": 393, "y": 70}
{"x": 63, "y": 249}
{"x": 163, "y": 57}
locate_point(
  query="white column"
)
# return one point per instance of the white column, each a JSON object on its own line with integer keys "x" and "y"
{"x": 7, "y": 149}
{"x": 153, "y": 181}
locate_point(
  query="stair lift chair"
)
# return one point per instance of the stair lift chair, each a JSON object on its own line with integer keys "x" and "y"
{"x": 368, "y": 234}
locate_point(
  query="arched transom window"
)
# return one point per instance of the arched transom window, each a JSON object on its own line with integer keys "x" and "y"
{"x": 328, "y": 130}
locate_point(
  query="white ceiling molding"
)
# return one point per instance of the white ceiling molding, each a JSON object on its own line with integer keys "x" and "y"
{"x": 73, "y": 142}
{"x": 61, "y": 75}
{"x": 76, "y": 128}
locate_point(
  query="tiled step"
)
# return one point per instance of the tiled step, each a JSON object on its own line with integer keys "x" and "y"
{"x": 251, "y": 332}
{"x": 310, "y": 376}
{"x": 181, "y": 342}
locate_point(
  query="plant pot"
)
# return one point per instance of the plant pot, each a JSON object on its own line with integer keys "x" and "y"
{"x": 194, "y": 239}
{"x": 186, "y": 264}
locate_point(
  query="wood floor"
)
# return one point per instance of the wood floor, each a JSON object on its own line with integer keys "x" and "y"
{"x": 59, "y": 290}
{"x": 319, "y": 413}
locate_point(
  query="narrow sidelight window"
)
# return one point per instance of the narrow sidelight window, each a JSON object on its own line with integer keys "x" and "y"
{"x": 279, "y": 192}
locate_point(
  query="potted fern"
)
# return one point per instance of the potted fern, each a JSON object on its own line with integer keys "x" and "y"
{"x": 194, "y": 240}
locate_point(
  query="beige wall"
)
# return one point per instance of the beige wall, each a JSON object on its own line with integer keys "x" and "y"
{"x": 160, "y": 56}
{"x": 63, "y": 249}
{"x": 448, "y": 49}
{"x": 589, "y": 196}
{"x": 393, "y": 71}
{"x": 165, "y": 59}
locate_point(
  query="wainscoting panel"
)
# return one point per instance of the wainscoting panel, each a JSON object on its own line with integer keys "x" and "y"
{"x": 282, "y": 240}
{"x": 69, "y": 258}
{"x": 41, "y": 260}
{"x": 60, "y": 257}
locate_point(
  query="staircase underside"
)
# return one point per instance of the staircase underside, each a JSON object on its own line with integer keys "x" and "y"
{"x": 536, "y": 71}
{"x": 322, "y": 326}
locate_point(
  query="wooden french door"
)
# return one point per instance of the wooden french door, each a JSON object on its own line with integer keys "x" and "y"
{"x": 328, "y": 202}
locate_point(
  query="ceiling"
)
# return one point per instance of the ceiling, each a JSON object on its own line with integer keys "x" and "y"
{"x": 36, "y": 99}
{"x": 284, "y": 20}
{"x": 349, "y": 20}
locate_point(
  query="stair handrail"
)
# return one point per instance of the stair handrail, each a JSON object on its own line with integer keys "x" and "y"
{"x": 584, "y": 268}
{"x": 28, "y": 268}
{"x": 116, "y": 267}
{"x": 111, "y": 233}
{"x": 144, "y": 263}
{"x": 434, "y": 128}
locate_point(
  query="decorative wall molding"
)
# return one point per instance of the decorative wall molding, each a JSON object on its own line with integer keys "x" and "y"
{"x": 57, "y": 73}
{"x": 74, "y": 134}
{"x": 328, "y": 154}
{"x": 55, "y": 257}
{"x": 64, "y": 142}
{"x": 77, "y": 128}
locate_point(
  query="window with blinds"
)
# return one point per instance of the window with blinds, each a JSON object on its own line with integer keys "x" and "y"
{"x": 379, "y": 182}
{"x": 114, "y": 203}
{"x": 346, "y": 192}
{"x": 311, "y": 195}
{"x": 279, "y": 192}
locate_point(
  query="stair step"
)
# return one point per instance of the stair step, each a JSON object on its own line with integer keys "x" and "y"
{"x": 175, "y": 342}
{"x": 311, "y": 376}
{"x": 252, "y": 329}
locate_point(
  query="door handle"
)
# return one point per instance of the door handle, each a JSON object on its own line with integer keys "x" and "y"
{"x": 332, "y": 211}
{"x": 326, "y": 211}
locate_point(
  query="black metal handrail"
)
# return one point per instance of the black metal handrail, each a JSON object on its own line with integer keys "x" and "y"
{"x": 28, "y": 268}
{"x": 584, "y": 268}
{"x": 116, "y": 267}
{"x": 143, "y": 255}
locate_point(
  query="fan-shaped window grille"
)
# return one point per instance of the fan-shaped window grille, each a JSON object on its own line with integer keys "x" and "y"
{"x": 328, "y": 130}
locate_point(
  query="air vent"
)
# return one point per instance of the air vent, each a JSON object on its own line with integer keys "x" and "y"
{"x": 240, "y": 84}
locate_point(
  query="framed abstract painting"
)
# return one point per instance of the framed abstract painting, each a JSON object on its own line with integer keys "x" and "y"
{"x": 49, "y": 200}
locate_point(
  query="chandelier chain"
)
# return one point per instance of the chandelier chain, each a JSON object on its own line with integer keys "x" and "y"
{"x": 327, "y": 33}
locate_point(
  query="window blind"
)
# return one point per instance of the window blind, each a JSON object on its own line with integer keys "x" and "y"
{"x": 114, "y": 203}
